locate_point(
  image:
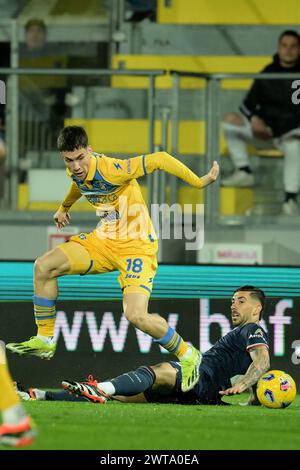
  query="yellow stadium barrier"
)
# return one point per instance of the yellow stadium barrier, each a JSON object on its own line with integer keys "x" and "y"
{"x": 200, "y": 64}
{"x": 235, "y": 12}
{"x": 130, "y": 136}
{"x": 235, "y": 201}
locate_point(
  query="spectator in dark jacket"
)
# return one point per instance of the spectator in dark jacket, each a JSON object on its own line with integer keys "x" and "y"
{"x": 269, "y": 119}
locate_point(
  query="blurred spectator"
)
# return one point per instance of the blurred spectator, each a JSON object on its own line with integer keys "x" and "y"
{"x": 4, "y": 62}
{"x": 2, "y": 151}
{"x": 35, "y": 38}
{"x": 141, "y": 10}
{"x": 44, "y": 93}
{"x": 2, "y": 134}
{"x": 269, "y": 119}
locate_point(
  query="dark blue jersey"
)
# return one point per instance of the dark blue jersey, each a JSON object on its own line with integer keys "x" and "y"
{"x": 230, "y": 355}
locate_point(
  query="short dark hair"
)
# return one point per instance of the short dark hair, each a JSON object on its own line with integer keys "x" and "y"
{"x": 72, "y": 138}
{"x": 35, "y": 22}
{"x": 254, "y": 292}
{"x": 289, "y": 32}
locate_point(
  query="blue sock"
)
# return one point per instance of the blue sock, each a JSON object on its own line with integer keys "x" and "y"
{"x": 134, "y": 382}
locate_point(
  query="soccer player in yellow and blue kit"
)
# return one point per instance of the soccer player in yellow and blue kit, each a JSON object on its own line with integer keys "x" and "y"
{"x": 17, "y": 429}
{"x": 124, "y": 240}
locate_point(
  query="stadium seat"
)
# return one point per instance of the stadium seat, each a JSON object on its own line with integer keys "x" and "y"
{"x": 233, "y": 12}
{"x": 38, "y": 195}
{"x": 201, "y": 64}
{"x": 235, "y": 201}
{"x": 133, "y": 135}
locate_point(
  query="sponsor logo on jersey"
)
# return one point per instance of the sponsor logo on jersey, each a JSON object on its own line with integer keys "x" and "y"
{"x": 257, "y": 336}
{"x": 132, "y": 276}
{"x": 101, "y": 198}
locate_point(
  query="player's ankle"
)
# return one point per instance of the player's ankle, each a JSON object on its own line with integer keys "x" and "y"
{"x": 14, "y": 415}
{"x": 107, "y": 387}
{"x": 46, "y": 339}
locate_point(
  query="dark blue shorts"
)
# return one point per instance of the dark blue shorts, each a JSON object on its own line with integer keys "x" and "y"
{"x": 205, "y": 392}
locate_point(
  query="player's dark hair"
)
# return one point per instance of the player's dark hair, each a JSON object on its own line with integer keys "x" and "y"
{"x": 289, "y": 32}
{"x": 256, "y": 293}
{"x": 35, "y": 22}
{"x": 72, "y": 138}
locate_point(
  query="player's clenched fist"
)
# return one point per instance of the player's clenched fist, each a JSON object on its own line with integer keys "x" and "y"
{"x": 212, "y": 175}
{"x": 214, "y": 171}
{"x": 61, "y": 219}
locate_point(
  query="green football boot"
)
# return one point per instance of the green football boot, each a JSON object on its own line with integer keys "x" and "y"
{"x": 190, "y": 370}
{"x": 33, "y": 347}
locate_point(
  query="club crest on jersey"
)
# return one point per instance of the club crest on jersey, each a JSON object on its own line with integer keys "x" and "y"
{"x": 101, "y": 185}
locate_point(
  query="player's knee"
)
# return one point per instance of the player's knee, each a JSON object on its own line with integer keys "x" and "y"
{"x": 137, "y": 317}
{"x": 43, "y": 268}
{"x": 40, "y": 269}
{"x": 233, "y": 118}
{"x": 165, "y": 375}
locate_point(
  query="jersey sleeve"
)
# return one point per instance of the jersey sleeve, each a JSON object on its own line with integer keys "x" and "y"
{"x": 71, "y": 197}
{"x": 118, "y": 171}
{"x": 255, "y": 336}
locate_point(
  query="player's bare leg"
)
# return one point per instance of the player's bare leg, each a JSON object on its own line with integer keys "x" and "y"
{"x": 47, "y": 269}
{"x": 136, "y": 312}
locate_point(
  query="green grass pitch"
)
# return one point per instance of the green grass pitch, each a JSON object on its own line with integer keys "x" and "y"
{"x": 65, "y": 425}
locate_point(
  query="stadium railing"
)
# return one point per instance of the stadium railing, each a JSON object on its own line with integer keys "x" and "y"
{"x": 213, "y": 84}
{"x": 209, "y": 128}
{"x": 12, "y": 110}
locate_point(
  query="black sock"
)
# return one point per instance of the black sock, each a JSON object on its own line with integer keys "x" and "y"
{"x": 134, "y": 382}
{"x": 62, "y": 395}
{"x": 247, "y": 169}
{"x": 289, "y": 196}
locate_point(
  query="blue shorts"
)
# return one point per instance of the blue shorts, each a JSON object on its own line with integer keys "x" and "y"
{"x": 205, "y": 392}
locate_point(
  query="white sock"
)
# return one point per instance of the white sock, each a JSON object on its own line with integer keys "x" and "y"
{"x": 39, "y": 394}
{"x": 46, "y": 339}
{"x": 107, "y": 387}
{"x": 14, "y": 415}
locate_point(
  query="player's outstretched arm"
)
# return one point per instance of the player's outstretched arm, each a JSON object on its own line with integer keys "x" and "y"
{"x": 118, "y": 171}
{"x": 164, "y": 161}
{"x": 259, "y": 365}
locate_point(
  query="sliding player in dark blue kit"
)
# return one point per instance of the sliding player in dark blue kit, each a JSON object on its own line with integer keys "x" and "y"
{"x": 241, "y": 352}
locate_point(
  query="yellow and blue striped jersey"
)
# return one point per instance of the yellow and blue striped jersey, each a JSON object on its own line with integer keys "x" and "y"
{"x": 111, "y": 187}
